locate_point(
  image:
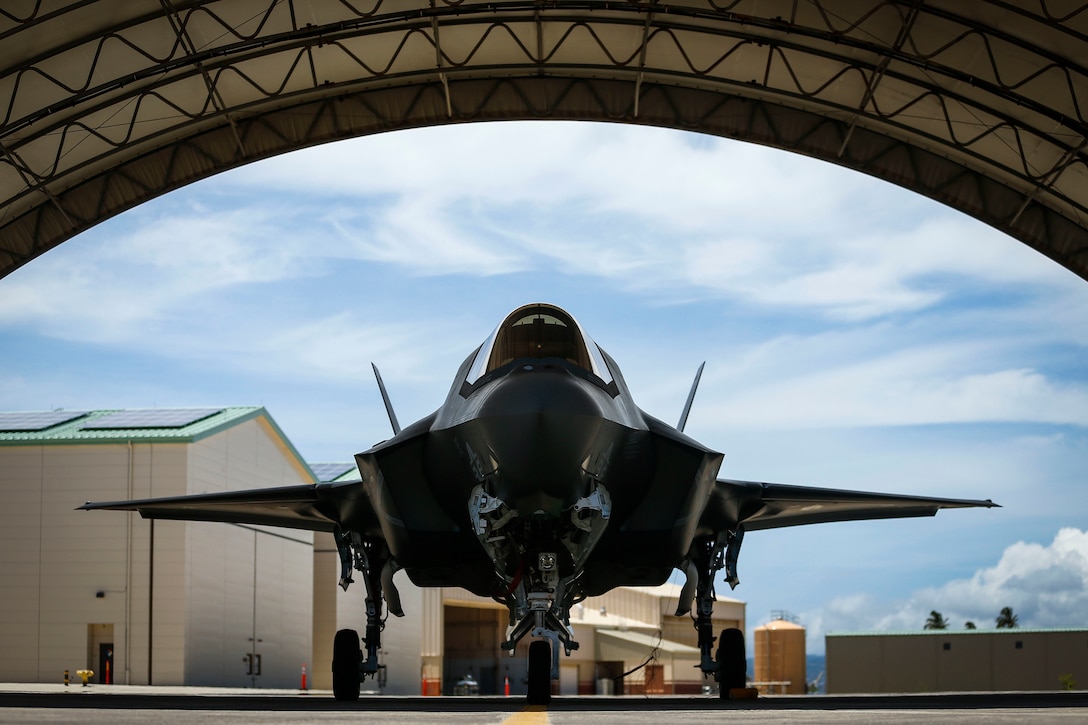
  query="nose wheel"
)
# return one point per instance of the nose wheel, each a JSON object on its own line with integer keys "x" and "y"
{"x": 540, "y": 672}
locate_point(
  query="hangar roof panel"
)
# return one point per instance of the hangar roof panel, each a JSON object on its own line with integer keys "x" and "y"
{"x": 982, "y": 106}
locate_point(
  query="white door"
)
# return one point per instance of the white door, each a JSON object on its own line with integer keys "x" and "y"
{"x": 568, "y": 679}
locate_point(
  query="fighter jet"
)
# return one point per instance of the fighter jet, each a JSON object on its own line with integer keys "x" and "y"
{"x": 538, "y": 483}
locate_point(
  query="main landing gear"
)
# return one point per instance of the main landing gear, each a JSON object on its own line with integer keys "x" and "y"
{"x": 727, "y": 665}
{"x": 347, "y": 656}
{"x": 732, "y": 665}
{"x": 349, "y": 667}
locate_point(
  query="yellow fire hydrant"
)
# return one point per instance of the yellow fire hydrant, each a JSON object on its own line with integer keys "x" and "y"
{"x": 85, "y": 675}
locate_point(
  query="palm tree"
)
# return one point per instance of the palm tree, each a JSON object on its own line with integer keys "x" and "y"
{"x": 970, "y": 625}
{"x": 936, "y": 621}
{"x": 1007, "y": 620}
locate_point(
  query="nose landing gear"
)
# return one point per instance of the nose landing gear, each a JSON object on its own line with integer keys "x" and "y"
{"x": 540, "y": 672}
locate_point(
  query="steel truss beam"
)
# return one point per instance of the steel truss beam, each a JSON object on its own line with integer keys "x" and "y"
{"x": 950, "y": 100}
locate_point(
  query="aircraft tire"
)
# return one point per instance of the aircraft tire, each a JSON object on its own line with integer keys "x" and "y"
{"x": 346, "y": 655}
{"x": 540, "y": 673}
{"x": 732, "y": 665}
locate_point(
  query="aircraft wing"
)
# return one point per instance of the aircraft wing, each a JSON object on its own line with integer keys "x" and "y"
{"x": 315, "y": 507}
{"x": 773, "y": 505}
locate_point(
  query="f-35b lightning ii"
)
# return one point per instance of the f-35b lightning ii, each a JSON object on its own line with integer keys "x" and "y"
{"x": 538, "y": 483}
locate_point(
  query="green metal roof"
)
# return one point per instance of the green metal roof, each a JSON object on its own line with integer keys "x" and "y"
{"x": 82, "y": 430}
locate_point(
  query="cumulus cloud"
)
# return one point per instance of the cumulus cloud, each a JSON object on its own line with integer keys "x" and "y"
{"x": 715, "y": 219}
{"x": 1046, "y": 586}
{"x": 150, "y": 267}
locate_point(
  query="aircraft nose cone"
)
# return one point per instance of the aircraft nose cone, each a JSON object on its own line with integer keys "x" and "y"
{"x": 542, "y": 425}
{"x": 540, "y": 389}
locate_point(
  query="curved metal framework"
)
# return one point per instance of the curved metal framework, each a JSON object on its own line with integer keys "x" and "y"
{"x": 980, "y": 105}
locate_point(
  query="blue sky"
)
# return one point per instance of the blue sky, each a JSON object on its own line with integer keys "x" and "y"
{"x": 856, "y": 335}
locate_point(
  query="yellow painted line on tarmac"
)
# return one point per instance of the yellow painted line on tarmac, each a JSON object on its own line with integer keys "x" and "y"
{"x": 531, "y": 715}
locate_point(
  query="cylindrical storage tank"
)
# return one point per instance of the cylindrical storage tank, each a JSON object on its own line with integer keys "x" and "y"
{"x": 780, "y": 658}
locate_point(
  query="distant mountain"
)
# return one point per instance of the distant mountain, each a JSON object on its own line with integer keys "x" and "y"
{"x": 814, "y": 665}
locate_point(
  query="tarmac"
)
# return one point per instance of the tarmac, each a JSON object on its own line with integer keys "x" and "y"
{"x": 55, "y": 703}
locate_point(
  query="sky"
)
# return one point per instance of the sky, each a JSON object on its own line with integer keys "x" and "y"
{"x": 856, "y": 335}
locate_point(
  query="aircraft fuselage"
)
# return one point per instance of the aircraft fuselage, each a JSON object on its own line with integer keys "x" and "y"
{"x": 541, "y": 436}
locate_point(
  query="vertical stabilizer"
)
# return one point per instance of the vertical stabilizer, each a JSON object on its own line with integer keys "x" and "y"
{"x": 389, "y": 406}
{"x": 691, "y": 398}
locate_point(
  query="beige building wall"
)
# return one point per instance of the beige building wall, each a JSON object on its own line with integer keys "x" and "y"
{"x": 960, "y": 661}
{"x": 257, "y": 599}
{"x": 57, "y": 560}
{"x": 73, "y": 578}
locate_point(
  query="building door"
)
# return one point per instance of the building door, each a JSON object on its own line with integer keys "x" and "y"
{"x": 655, "y": 679}
{"x": 471, "y": 649}
{"x": 609, "y": 678}
{"x": 100, "y": 652}
{"x": 568, "y": 679}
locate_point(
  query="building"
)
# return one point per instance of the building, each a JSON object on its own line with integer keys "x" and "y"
{"x": 215, "y": 604}
{"x": 617, "y": 632}
{"x": 972, "y": 660}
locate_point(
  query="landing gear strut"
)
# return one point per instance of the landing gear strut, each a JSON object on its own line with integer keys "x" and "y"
{"x": 349, "y": 667}
{"x": 706, "y": 557}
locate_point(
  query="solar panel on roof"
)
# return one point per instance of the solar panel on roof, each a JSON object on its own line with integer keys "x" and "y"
{"x": 330, "y": 471}
{"x": 37, "y": 421}
{"x": 157, "y": 418}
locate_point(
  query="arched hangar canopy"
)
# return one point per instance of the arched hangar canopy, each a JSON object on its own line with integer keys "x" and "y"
{"x": 980, "y": 105}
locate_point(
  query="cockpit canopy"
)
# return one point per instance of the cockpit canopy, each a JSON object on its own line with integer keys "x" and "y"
{"x": 538, "y": 331}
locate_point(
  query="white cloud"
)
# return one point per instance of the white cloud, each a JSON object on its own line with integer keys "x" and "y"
{"x": 654, "y": 210}
{"x": 149, "y": 268}
{"x": 427, "y": 240}
{"x": 1046, "y": 586}
{"x": 909, "y": 389}
{"x": 888, "y": 374}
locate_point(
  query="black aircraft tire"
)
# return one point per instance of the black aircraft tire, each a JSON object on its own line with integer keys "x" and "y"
{"x": 346, "y": 654}
{"x": 540, "y": 673}
{"x": 732, "y": 665}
